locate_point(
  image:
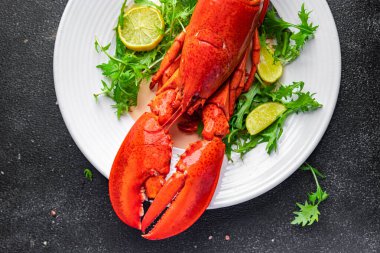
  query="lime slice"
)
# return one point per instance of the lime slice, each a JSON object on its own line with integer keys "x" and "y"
{"x": 142, "y": 28}
{"x": 263, "y": 116}
{"x": 269, "y": 70}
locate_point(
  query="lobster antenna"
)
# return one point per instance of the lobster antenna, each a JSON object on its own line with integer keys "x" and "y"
{"x": 173, "y": 118}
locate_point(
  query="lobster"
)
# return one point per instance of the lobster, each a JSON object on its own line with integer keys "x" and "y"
{"x": 203, "y": 72}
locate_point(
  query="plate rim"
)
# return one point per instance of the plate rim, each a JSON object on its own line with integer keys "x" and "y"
{"x": 271, "y": 184}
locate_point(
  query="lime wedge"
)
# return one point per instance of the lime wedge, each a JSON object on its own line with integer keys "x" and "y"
{"x": 142, "y": 28}
{"x": 269, "y": 70}
{"x": 263, "y": 116}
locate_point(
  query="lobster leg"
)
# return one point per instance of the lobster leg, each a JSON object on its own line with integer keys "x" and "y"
{"x": 169, "y": 58}
{"x": 188, "y": 191}
{"x": 263, "y": 11}
{"x": 143, "y": 161}
{"x": 215, "y": 115}
{"x": 170, "y": 70}
{"x": 255, "y": 56}
{"x": 168, "y": 99}
{"x": 224, "y": 100}
{"x": 255, "y": 59}
{"x": 237, "y": 81}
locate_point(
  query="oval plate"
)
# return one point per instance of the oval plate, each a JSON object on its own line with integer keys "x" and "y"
{"x": 98, "y": 133}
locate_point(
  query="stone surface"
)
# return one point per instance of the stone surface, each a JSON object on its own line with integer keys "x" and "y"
{"x": 41, "y": 168}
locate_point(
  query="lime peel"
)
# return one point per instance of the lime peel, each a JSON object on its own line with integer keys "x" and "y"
{"x": 263, "y": 116}
{"x": 142, "y": 28}
{"x": 269, "y": 69}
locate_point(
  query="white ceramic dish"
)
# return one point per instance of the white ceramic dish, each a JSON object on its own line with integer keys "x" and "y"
{"x": 97, "y": 132}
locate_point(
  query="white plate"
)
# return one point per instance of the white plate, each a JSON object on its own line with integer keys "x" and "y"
{"x": 97, "y": 132}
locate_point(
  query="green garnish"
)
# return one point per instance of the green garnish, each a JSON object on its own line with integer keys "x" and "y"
{"x": 308, "y": 213}
{"x": 292, "y": 96}
{"x": 125, "y": 70}
{"x": 289, "y": 43}
{"x": 287, "y": 46}
{"x": 88, "y": 174}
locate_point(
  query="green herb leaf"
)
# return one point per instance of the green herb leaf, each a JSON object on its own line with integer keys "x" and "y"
{"x": 292, "y": 96}
{"x": 125, "y": 69}
{"x": 88, "y": 174}
{"x": 245, "y": 102}
{"x": 290, "y": 38}
{"x": 272, "y": 134}
{"x": 287, "y": 40}
{"x": 308, "y": 167}
{"x": 309, "y": 213}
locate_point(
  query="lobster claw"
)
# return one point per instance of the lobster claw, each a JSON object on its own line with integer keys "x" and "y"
{"x": 139, "y": 169}
{"x": 188, "y": 191}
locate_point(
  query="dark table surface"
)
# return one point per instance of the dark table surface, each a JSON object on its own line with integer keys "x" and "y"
{"x": 42, "y": 169}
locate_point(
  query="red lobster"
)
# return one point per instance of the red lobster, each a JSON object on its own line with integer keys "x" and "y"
{"x": 203, "y": 72}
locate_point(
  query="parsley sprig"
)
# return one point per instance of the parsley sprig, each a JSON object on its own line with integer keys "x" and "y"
{"x": 308, "y": 213}
{"x": 125, "y": 69}
{"x": 290, "y": 38}
{"x": 292, "y": 96}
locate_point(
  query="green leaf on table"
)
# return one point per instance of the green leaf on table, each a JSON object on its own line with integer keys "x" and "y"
{"x": 88, "y": 174}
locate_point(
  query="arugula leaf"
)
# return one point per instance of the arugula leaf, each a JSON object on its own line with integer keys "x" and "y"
{"x": 88, "y": 174}
{"x": 309, "y": 213}
{"x": 304, "y": 102}
{"x": 125, "y": 70}
{"x": 289, "y": 43}
{"x": 292, "y": 96}
{"x": 272, "y": 134}
{"x": 125, "y": 75}
{"x": 146, "y": 2}
{"x": 307, "y": 167}
{"x": 284, "y": 92}
{"x": 244, "y": 106}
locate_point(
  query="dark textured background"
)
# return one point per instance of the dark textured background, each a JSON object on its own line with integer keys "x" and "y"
{"x": 42, "y": 169}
